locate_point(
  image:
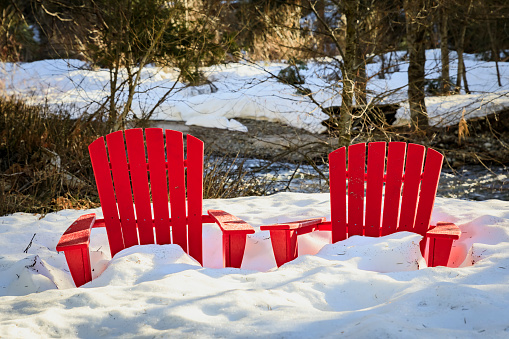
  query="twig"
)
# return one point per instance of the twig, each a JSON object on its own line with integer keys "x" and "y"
{"x": 30, "y": 244}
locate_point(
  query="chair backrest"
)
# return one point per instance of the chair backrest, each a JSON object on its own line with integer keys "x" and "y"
{"x": 147, "y": 178}
{"x": 395, "y": 194}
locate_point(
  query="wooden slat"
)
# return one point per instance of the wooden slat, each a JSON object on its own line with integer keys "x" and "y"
{"x": 158, "y": 184}
{"x": 77, "y": 236}
{"x": 444, "y": 229}
{"x": 410, "y": 195}
{"x": 122, "y": 184}
{"x": 176, "y": 173}
{"x": 337, "y": 178}
{"x": 356, "y": 175}
{"x": 284, "y": 246}
{"x": 294, "y": 225}
{"x": 78, "y": 261}
{"x": 375, "y": 183}
{"x": 139, "y": 179}
{"x": 102, "y": 174}
{"x": 195, "y": 196}
{"x": 428, "y": 192}
{"x": 230, "y": 223}
{"x": 395, "y": 164}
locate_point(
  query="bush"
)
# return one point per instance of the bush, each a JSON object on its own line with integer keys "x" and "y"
{"x": 44, "y": 163}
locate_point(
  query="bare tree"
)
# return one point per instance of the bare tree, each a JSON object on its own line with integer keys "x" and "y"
{"x": 417, "y": 13}
{"x": 460, "y": 48}
{"x": 445, "y": 87}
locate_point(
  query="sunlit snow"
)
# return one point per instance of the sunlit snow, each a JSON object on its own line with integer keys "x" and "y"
{"x": 248, "y": 90}
{"x": 375, "y": 287}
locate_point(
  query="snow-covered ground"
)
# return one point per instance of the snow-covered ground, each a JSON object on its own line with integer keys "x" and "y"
{"x": 361, "y": 287}
{"x": 247, "y": 90}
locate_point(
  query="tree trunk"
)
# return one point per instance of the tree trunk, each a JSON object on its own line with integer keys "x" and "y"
{"x": 415, "y": 11}
{"x": 348, "y": 74}
{"x": 360, "y": 83}
{"x": 495, "y": 54}
{"x": 444, "y": 50}
{"x": 462, "y": 73}
{"x": 361, "y": 49}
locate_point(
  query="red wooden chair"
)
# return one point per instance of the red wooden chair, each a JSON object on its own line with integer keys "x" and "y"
{"x": 362, "y": 208}
{"x": 146, "y": 181}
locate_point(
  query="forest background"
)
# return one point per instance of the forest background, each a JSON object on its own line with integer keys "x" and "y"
{"x": 44, "y": 161}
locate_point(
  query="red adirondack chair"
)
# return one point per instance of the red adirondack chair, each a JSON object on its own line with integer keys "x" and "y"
{"x": 127, "y": 224}
{"x": 366, "y": 210}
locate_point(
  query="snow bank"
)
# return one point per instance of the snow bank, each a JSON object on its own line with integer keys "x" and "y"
{"x": 358, "y": 288}
{"x": 242, "y": 90}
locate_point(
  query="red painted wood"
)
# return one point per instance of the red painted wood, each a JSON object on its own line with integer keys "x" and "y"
{"x": 284, "y": 245}
{"x": 195, "y": 196}
{"x": 99, "y": 223}
{"x": 77, "y": 236}
{"x": 158, "y": 184}
{"x": 233, "y": 249}
{"x": 409, "y": 199}
{"x": 325, "y": 226}
{"x": 374, "y": 187}
{"x": 293, "y": 225}
{"x": 337, "y": 182}
{"x": 393, "y": 181}
{"x": 78, "y": 261}
{"x": 175, "y": 155}
{"x": 356, "y": 177}
{"x": 139, "y": 179}
{"x": 429, "y": 185}
{"x": 439, "y": 251}
{"x": 122, "y": 184}
{"x": 446, "y": 230}
{"x": 132, "y": 174}
{"x": 230, "y": 223}
{"x": 101, "y": 167}
{"x": 284, "y": 236}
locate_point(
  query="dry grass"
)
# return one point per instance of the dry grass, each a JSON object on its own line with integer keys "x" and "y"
{"x": 45, "y": 165}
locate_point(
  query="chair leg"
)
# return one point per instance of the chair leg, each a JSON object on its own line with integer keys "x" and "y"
{"x": 284, "y": 245}
{"x": 78, "y": 261}
{"x": 233, "y": 249}
{"x": 439, "y": 250}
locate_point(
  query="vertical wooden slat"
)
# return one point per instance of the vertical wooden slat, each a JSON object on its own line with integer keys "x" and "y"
{"x": 139, "y": 179}
{"x": 195, "y": 196}
{"x": 356, "y": 175}
{"x": 122, "y": 184}
{"x": 428, "y": 192}
{"x": 176, "y": 173}
{"x": 393, "y": 181}
{"x": 337, "y": 178}
{"x": 102, "y": 174}
{"x": 158, "y": 184}
{"x": 375, "y": 182}
{"x": 413, "y": 170}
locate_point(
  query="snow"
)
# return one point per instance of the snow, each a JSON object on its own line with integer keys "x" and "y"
{"x": 376, "y": 287}
{"x": 361, "y": 287}
{"x": 248, "y": 90}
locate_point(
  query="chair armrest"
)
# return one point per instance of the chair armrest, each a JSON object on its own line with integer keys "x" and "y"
{"x": 229, "y": 223}
{"x": 77, "y": 235}
{"x": 301, "y": 226}
{"x": 445, "y": 230}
